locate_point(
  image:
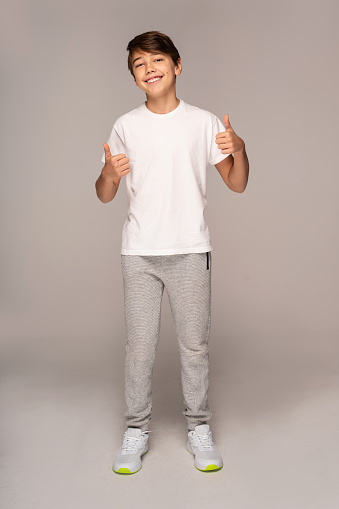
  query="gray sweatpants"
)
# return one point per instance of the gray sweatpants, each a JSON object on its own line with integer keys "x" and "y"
{"x": 187, "y": 278}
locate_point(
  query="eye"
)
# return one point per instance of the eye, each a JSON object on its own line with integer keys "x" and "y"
{"x": 155, "y": 60}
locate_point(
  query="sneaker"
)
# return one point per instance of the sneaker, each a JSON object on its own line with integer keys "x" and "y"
{"x": 200, "y": 444}
{"x": 128, "y": 458}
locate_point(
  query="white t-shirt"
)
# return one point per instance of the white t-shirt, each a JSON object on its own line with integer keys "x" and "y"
{"x": 166, "y": 186}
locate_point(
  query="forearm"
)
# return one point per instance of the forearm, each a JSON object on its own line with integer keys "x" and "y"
{"x": 238, "y": 174}
{"x": 106, "y": 188}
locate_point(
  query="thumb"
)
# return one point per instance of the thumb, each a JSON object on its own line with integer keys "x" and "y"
{"x": 227, "y": 123}
{"x": 107, "y": 150}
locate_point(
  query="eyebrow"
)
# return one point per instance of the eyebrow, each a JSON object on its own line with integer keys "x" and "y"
{"x": 142, "y": 57}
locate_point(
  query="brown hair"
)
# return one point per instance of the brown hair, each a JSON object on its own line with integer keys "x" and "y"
{"x": 150, "y": 42}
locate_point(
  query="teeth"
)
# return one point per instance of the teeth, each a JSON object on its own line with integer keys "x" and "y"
{"x": 152, "y": 80}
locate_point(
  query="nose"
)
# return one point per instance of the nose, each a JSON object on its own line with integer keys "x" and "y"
{"x": 149, "y": 68}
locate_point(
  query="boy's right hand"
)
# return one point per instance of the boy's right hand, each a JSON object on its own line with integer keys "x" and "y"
{"x": 115, "y": 166}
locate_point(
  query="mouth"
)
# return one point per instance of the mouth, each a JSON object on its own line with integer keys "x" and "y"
{"x": 156, "y": 79}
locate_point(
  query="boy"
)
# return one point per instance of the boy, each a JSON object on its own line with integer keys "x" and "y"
{"x": 163, "y": 148}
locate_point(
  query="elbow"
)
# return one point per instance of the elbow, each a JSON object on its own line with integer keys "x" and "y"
{"x": 239, "y": 188}
{"x": 104, "y": 201}
{"x": 236, "y": 189}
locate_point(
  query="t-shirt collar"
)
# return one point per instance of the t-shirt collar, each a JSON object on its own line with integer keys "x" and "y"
{"x": 159, "y": 115}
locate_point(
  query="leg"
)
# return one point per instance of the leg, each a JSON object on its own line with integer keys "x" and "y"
{"x": 188, "y": 284}
{"x": 143, "y": 292}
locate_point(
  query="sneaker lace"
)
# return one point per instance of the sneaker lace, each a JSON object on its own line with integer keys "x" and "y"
{"x": 204, "y": 442}
{"x": 132, "y": 443}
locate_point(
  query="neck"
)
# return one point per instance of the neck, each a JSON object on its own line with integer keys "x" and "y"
{"x": 162, "y": 105}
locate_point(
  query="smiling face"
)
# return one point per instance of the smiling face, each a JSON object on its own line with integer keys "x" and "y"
{"x": 150, "y": 65}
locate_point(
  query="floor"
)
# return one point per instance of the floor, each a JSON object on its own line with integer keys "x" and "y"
{"x": 275, "y": 420}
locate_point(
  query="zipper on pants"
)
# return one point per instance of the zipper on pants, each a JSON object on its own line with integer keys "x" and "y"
{"x": 207, "y": 260}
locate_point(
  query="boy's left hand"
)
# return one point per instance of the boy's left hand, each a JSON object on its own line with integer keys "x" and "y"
{"x": 228, "y": 141}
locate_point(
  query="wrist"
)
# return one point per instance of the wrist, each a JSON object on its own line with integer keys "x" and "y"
{"x": 106, "y": 178}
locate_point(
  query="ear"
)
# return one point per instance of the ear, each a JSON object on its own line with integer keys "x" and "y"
{"x": 179, "y": 66}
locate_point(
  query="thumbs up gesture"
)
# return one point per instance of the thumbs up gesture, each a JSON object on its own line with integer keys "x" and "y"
{"x": 228, "y": 141}
{"x": 115, "y": 166}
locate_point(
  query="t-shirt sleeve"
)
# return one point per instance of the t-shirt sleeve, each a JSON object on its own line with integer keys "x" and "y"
{"x": 215, "y": 155}
{"x": 115, "y": 142}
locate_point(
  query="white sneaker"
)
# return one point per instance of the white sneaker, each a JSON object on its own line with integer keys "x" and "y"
{"x": 200, "y": 444}
{"x": 128, "y": 458}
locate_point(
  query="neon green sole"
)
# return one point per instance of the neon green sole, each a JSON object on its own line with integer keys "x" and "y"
{"x": 209, "y": 468}
{"x": 125, "y": 471}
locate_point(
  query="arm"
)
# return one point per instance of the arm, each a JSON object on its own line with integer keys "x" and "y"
{"x": 235, "y": 171}
{"x": 108, "y": 182}
{"x": 106, "y": 188}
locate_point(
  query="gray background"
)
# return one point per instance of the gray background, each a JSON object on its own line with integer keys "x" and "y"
{"x": 273, "y": 67}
